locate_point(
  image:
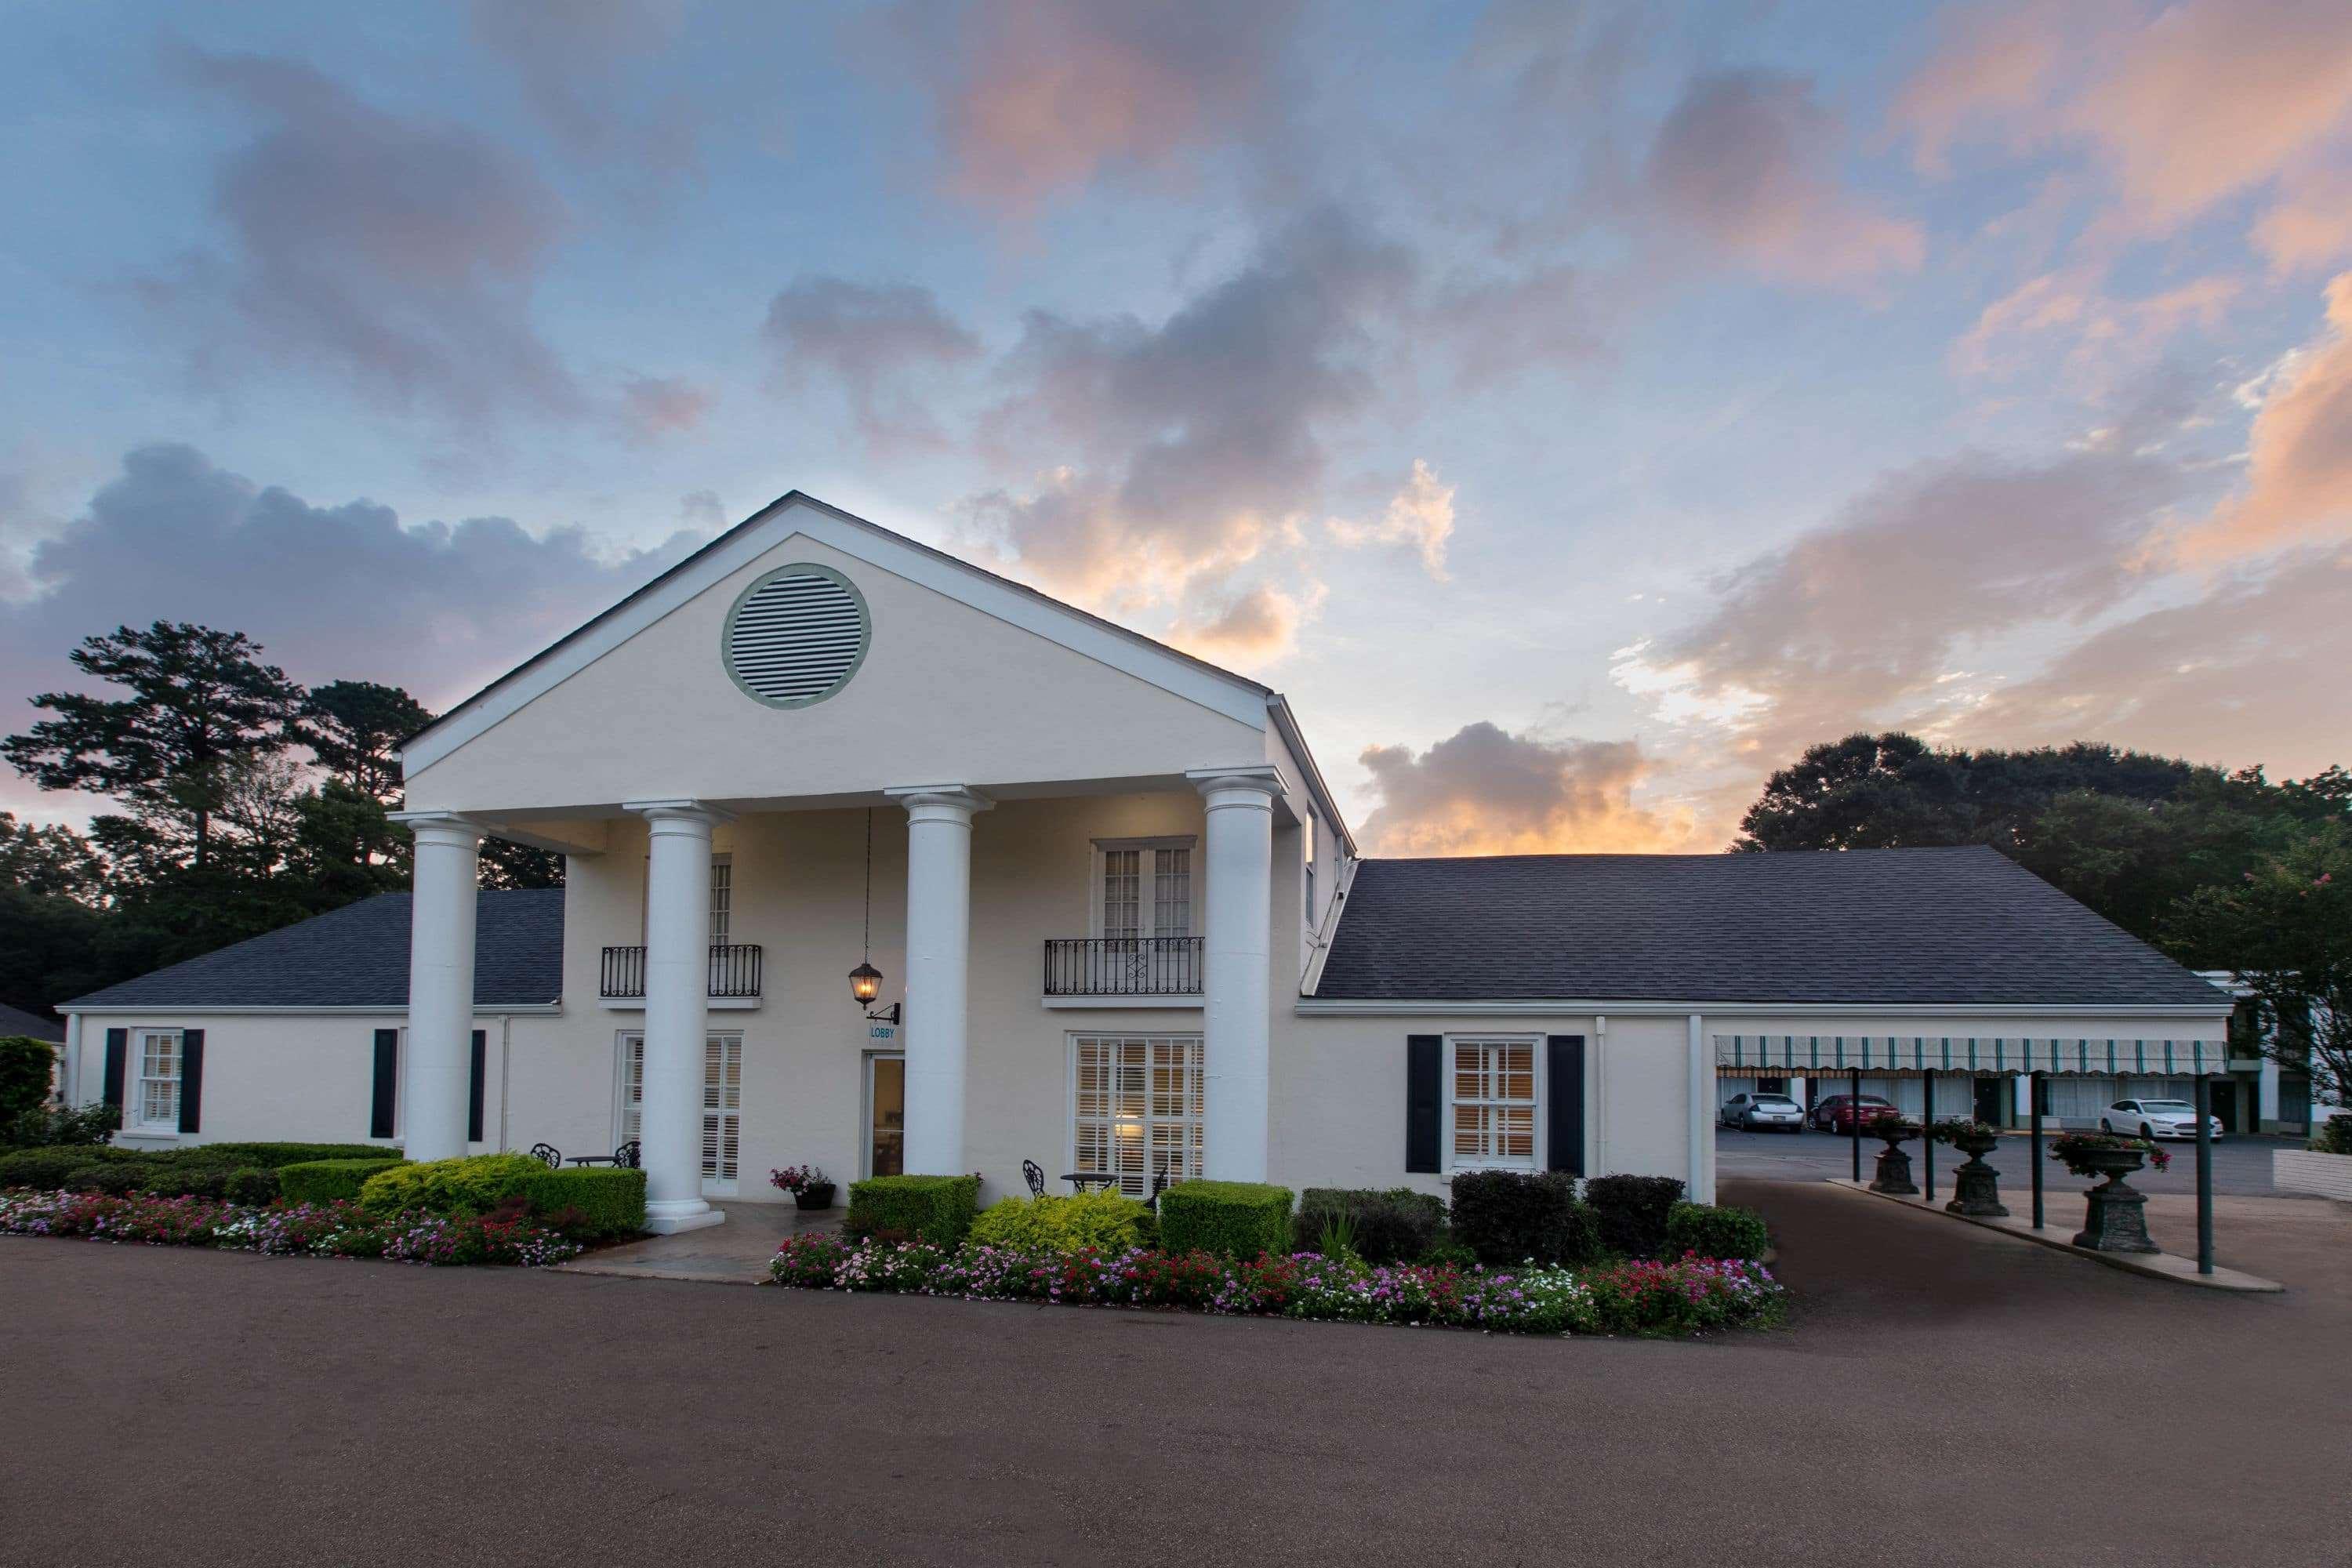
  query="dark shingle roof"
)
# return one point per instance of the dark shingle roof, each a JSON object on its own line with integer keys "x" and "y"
{"x": 357, "y": 956}
{"x": 1963, "y": 926}
{"x": 16, "y": 1021}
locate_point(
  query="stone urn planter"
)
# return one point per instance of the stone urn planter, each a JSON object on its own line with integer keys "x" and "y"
{"x": 1893, "y": 1173}
{"x": 1976, "y": 1186}
{"x": 2116, "y": 1218}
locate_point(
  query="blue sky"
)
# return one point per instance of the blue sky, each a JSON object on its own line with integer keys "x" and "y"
{"x": 1576, "y": 410}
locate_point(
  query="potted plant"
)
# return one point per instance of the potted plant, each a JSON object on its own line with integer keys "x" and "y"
{"x": 808, "y": 1185}
{"x": 2116, "y": 1218}
{"x": 1976, "y": 1186}
{"x": 1893, "y": 1173}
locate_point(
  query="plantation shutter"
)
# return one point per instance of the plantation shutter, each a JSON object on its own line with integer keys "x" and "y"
{"x": 192, "y": 1078}
{"x": 473, "y": 1089}
{"x": 387, "y": 1082}
{"x": 118, "y": 1065}
{"x": 1564, "y": 1082}
{"x": 1423, "y": 1101}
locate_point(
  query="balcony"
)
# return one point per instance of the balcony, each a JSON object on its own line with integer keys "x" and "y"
{"x": 1124, "y": 966}
{"x": 734, "y": 976}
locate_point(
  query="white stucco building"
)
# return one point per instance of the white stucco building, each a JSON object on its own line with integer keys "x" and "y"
{"x": 1125, "y": 919}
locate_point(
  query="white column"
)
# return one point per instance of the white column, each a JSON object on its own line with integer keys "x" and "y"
{"x": 938, "y": 964}
{"x": 1237, "y": 952}
{"x": 437, "y": 1055}
{"x": 2022, "y": 1101}
{"x": 69, "y": 1064}
{"x": 1797, "y": 1088}
{"x": 678, "y": 1019}
{"x": 2266, "y": 1096}
{"x": 1701, "y": 1177}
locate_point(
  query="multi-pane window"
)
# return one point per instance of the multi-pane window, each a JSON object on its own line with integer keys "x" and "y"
{"x": 1122, "y": 892}
{"x": 722, "y": 897}
{"x": 1147, "y": 890}
{"x": 159, "y": 1078}
{"x": 722, "y": 1101}
{"x": 1136, "y": 1106}
{"x": 1493, "y": 1095}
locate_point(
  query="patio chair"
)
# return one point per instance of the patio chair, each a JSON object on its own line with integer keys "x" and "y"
{"x": 547, "y": 1154}
{"x": 1160, "y": 1184}
{"x": 627, "y": 1155}
{"x": 1034, "y": 1175}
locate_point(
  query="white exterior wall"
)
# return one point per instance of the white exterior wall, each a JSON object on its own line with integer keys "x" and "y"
{"x": 305, "y": 1078}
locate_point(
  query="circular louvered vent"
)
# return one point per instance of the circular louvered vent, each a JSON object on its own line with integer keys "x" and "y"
{"x": 796, "y": 636}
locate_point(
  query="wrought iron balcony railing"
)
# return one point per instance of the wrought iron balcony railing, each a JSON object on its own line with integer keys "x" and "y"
{"x": 1123, "y": 966}
{"x": 734, "y": 971}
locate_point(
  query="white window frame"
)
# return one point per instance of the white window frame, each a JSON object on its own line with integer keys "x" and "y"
{"x": 722, "y": 900}
{"x": 715, "y": 1185}
{"x": 1147, "y": 889}
{"x": 141, "y": 1077}
{"x": 1536, "y": 1160}
{"x": 1191, "y": 1151}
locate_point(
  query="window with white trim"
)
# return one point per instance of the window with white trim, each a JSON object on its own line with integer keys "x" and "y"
{"x": 722, "y": 897}
{"x": 722, "y": 1101}
{"x": 1143, "y": 887}
{"x": 1136, "y": 1106}
{"x": 156, "y": 1105}
{"x": 1491, "y": 1103}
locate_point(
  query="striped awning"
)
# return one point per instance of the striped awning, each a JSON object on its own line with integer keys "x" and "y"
{"x": 1810, "y": 1054}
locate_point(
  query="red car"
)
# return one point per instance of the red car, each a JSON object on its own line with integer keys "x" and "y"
{"x": 1836, "y": 1112}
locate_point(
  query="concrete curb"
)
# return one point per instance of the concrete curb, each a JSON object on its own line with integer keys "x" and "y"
{"x": 2151, "y": 1264}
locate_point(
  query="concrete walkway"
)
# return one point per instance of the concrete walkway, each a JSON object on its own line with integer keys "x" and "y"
{"x": 736, "y": 1253}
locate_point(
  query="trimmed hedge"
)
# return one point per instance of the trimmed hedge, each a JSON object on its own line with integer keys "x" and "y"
{"x": 330, "y": 1181}
{"x": 1399, "y": 1225}
{"x": 1716, "y": 1231}
{"x": 1632, "y": 1211}
{"x": 1230, "y": 1219}
{"x": 1507, "y": 1218}
{"x": 1108, "y": 1222}
{"x": 587, "y": 1200}
{"x": 937, "y": 1209}
{"x": 468, "y": 1183}
{"x": 277, "y": 1156}
{"x": 48, "y": 1168}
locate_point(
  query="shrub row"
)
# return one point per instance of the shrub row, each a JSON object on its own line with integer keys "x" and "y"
{"x": 1104, "y": 1221}
{"x": 1645, "y": 1297}
{"x": 1507, "y": 1218}
{"x": 1716, "y": 1230}
{"x": 314, "y": 1230}
{"x": 243, "y": 1172}
{"x": 328, "y": 1181}
{"x": 582, "y": 1200}
{"x": 936, "y": 1210}
{"x": 1399, "y": 1225}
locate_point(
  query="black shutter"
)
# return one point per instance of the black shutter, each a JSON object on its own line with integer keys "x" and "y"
{"x": 118, "y": 1065}
{"x": 1564, "y": 1080}
{"x": 474, "y": 1091}
{"x": 1423, "y": 1101}
{"x": 192, "y": 1078}
{"x": 387, "y": 1082}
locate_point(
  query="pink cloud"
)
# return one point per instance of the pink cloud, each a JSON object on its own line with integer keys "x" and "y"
{"x": 1486, "y": 791}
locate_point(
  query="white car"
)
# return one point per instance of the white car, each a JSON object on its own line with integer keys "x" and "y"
{"x": 1763, "y": 1113}
{"x": 2154, "y": 1118}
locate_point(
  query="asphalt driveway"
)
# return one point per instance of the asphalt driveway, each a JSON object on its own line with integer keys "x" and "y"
{"x": 1966, "y": 1394}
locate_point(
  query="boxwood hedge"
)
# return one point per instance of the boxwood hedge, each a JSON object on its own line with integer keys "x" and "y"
{"x": 937, "y": 1209}
{"x": 1231, "y": 1220}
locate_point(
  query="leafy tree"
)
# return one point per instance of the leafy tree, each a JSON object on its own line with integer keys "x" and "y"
{"x": 505, "y": 863}
{"x": 353, "y": 728}
{"x": 50, "y": 861}
{"x": 2288, "y": 925}
{"x": 199, "y": 701}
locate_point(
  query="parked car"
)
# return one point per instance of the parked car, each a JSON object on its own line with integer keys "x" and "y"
{"x": 1836, "y": 1114}
{"x": 1762, "y": 1113}
{"x": 2154, "y": 1118}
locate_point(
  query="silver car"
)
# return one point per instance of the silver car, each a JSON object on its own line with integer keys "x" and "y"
{"x": 1763, "y": 1113}
{"x": 2154, "y": 1118}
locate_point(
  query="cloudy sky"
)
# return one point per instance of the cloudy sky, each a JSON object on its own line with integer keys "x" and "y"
{"x": 1577, "y": 410}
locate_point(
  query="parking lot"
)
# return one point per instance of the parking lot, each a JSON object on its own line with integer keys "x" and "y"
{"x": 2241, "y": 1166}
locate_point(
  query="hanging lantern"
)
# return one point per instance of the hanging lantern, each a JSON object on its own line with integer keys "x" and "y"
{"x": 865, "y": 983}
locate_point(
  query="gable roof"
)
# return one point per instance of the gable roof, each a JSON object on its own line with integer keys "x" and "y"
{"x": 357, "y": 956}
{"x": 1898, "y": 927}
{"x": 16, "y": 1021}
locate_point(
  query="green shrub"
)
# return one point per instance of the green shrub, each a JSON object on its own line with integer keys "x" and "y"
{"x": 587, "y": 1201}
{"x": 276, "y": 1156}
{"x": 1632, "y": 1212}
{"x": 2332, "y": 1135}
{"x": 1108, "y": 1222}
{"x": 470, "y": 1183}
{"x": 1231, "y": 1220}
{"x": 52, "y": 1126}
{"x": 254, "y": 1184}
{"x": 26, "y": 1065}
{"x": 1716, "y": 1231}
{"x": 330, "y": 1181}
{"x": 112, "y": 1177}
{"x": 1393, "y": 1226}
{"x": 937, "y": 1209}
{"x": 47, "y": 1168}
{"x": 1506, "y": 1217}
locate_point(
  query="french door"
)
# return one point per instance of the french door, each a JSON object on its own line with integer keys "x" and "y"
{"x": 885, "y": 1113}
{"x": 722, "y": 1105}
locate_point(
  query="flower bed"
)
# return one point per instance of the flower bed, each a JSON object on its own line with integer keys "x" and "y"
{"x": 1691, "y": 1294}
{"x": 286, "y": 1229}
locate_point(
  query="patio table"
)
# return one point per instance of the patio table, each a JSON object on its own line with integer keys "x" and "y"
{"x": 1082, "y": 1180}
